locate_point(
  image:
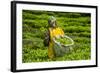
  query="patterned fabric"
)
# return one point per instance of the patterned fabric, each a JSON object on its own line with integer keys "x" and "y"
{"x": 51, "y": 50}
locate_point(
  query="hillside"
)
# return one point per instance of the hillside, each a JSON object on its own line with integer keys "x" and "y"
{"x": 75, "y": 25}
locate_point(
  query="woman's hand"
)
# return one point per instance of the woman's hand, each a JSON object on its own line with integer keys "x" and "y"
{"x": 59, "y": 36}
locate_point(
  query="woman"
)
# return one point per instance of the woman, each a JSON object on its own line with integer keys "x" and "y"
{"x": 52, "y": 32}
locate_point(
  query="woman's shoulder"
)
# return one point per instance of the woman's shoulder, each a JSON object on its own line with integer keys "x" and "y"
{"x": 59, "y": 28}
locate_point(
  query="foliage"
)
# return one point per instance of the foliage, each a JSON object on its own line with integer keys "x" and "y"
{"x": 63, "y": 41}
{"x": 75, "y": 25}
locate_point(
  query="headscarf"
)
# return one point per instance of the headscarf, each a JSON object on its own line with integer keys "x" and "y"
{"x": 51, "y": 19}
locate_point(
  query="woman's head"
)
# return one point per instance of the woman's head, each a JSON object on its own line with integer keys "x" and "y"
{"x": 52, "y": 21}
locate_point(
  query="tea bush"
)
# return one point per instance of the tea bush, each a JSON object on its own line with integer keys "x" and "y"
{"x": 75, "y": 25}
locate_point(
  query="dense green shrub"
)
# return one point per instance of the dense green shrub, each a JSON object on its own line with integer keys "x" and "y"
{"x": 75, "y": 25}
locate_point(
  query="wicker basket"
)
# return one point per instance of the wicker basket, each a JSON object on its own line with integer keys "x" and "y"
{"x": 60, "y": 49}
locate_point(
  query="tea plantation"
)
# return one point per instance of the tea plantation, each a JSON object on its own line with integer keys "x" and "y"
{"x": 75, "y": 25}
